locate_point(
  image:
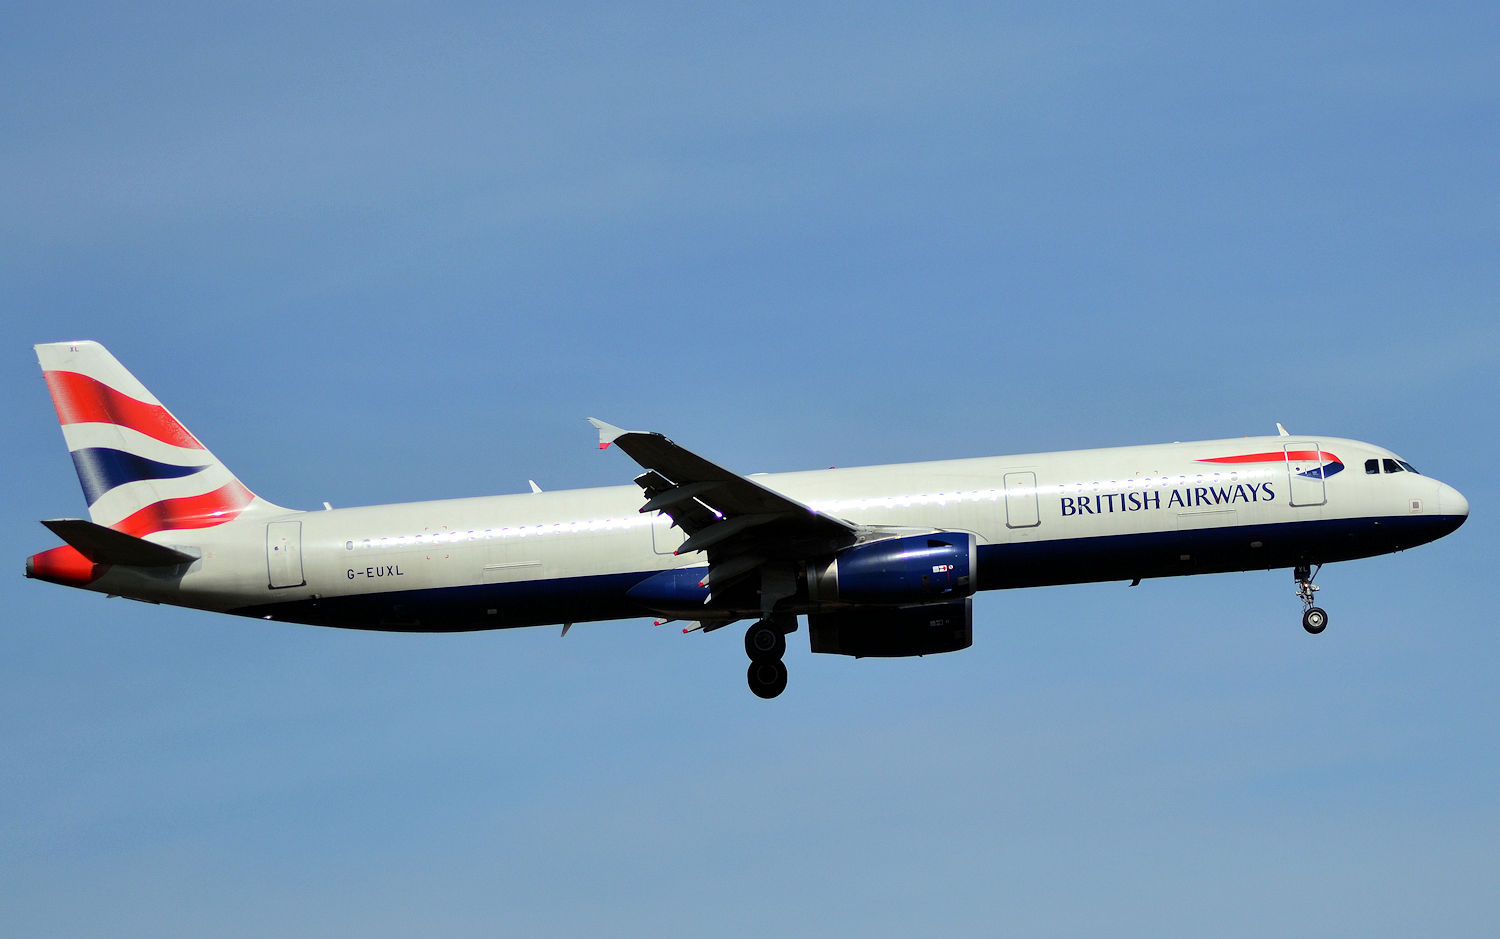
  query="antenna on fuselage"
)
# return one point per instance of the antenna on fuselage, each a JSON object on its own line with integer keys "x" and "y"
{"x": 1281, "y": 431}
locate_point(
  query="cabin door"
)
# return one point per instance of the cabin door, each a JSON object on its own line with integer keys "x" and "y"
{"x": 1304, "y": 468}
{"x": 284, "y": 554}
{"x": 1020, "y": 501}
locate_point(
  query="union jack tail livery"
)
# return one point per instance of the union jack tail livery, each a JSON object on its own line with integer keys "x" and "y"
{"x": 142, "y": 471}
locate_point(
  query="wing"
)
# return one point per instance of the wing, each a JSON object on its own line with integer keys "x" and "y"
{"x": 742, "y": 526}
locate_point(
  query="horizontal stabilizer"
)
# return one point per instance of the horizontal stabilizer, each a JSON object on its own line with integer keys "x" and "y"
{"x": 107, "y": 546}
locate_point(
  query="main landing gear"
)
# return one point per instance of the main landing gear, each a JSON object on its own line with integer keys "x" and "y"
{"x": 1314, "y": 618}
{"x": 765, "y": 643}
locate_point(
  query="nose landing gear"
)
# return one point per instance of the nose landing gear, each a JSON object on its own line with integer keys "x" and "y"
{"x": 1314, "y": 618}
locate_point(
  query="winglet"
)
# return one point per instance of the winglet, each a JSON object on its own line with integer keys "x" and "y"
{"x": 1281, "y": 431}
{"x": 607, "y": 432}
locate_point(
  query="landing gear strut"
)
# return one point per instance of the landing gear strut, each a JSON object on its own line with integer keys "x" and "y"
{"x": 1314, "y": 618}
{"x": 765, "y": 643}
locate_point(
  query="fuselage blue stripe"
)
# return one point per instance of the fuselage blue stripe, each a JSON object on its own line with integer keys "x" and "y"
{"x": 1019, "y": 564}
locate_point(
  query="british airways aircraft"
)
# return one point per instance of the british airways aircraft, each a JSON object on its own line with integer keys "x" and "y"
{"x": 881, "y": 560}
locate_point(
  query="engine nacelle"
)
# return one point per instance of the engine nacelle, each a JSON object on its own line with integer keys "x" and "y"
{"x": 886, "y": 632}
{"x": 910, "y": 570}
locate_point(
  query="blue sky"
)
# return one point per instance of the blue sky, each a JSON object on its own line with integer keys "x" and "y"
{"x": 384, "y": 252}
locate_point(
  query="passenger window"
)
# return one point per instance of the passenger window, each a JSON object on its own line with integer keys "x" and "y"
{"x": 1391, "y": 466}
{"x": 1372, "y": 467}
{"x": 1408, "y": 467}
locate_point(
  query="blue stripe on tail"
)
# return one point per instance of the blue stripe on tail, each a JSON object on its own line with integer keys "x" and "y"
{"x": 101, "y": 469}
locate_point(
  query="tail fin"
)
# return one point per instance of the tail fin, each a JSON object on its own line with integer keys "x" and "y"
{"x": 142, "y": 472}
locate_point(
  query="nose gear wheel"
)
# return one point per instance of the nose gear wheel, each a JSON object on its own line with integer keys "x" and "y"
{"x": 1314, "y": 618}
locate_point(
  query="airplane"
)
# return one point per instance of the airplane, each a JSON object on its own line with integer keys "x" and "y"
{"x": 880, "y": 560}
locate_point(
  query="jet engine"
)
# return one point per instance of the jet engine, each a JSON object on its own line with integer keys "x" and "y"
{"x": 905, "y": 571}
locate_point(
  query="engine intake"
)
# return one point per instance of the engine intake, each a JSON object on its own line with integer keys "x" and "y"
{"x": 910, "y": 570}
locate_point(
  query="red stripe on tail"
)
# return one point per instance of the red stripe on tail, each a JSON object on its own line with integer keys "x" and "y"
{"x": 212, "y": 508}
{"x": 80, "y": 399}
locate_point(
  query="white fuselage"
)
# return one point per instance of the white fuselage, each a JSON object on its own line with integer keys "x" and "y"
{"x": 566, "y": 556}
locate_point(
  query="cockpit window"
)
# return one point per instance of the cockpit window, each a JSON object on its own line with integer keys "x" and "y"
{"x": 1388, "y": 465}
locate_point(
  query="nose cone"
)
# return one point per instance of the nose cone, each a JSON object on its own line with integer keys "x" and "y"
{"x": 1452, "y": 503}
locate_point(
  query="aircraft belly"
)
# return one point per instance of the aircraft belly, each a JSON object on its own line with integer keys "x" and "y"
{"x": 465, "y": 607}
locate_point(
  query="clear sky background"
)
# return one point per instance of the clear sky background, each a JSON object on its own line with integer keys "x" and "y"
{"x": 386, "y": 252}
